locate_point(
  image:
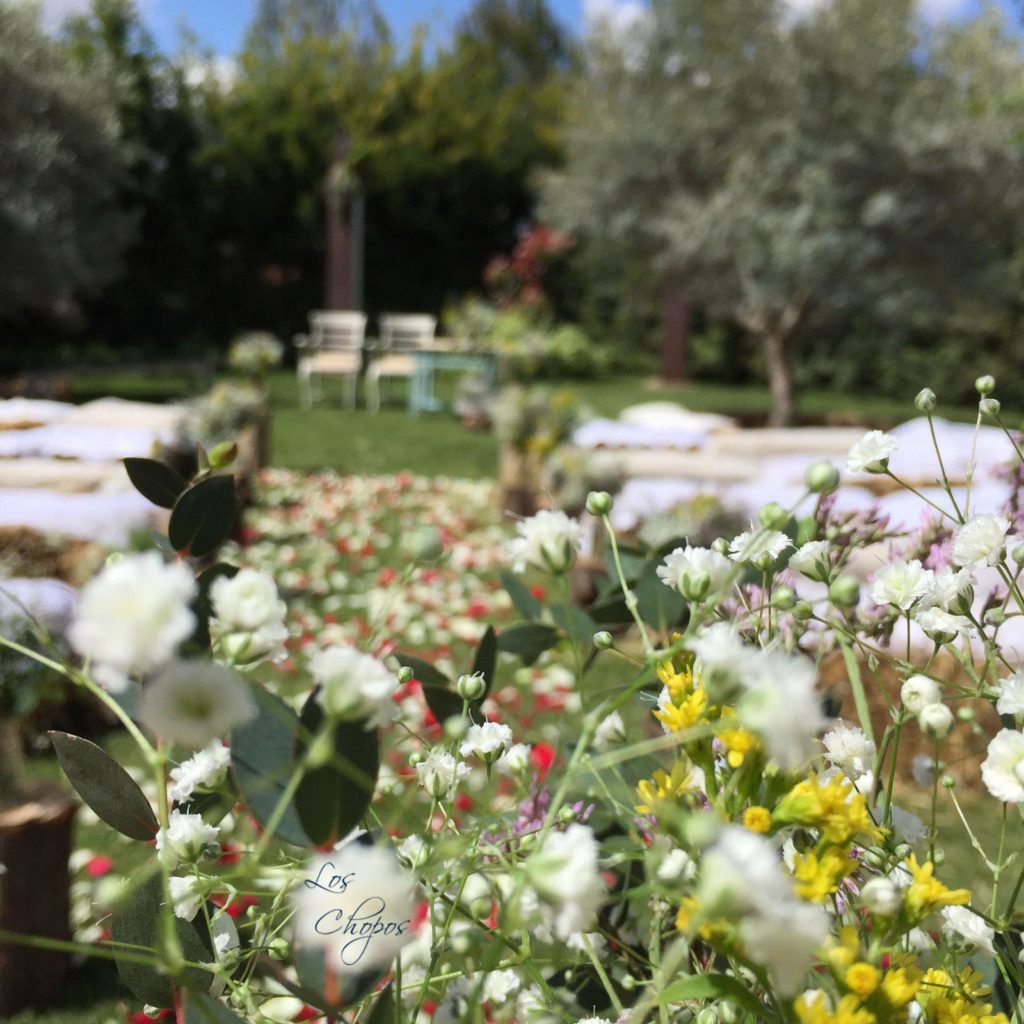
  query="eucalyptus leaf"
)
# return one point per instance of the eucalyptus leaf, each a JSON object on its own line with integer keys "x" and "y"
{"x": 136, "y": 922}
{"x": 331, "y": 800}
{"x": 528, "y": 640}
{"x": 522, "y": 600}
{"x": 105, "y": 786}
{"x": 203, "y": 516}
{"x": 263, "y": 759}
{"x": 156, "y": 481}
{"x": 202, "y": 1008}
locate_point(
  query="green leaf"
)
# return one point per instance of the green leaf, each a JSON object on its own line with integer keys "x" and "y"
{"x": 263, "y": 759}
{"x": 712, "y": 986}
{"x": 155, "y": 481}
{"x": 422, "y": 670}
{"x": 486, "y": 658}
{"x": 203, "y": 516}
{"x": 105, "y": 786}
{"x": 441, "y": 698}
{"x": 203, "y": 606}
{"x": 528, "y": 640}
{"x": 202, "y": 1008}
{"x": 522, "y": 600}
{"x": 576, "y": 622}
{"x": 611, "y": 610}
{"x": 384, "y": 1011}
{"x": 332, "y": 800}
{"x": 659, "y": 606}
{"x": 137, "y": 922}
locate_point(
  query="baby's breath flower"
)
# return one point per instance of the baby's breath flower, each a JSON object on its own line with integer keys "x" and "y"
{"x": 1011, "y": 695}
{"x": 758, "y": 547}
{"x": 980, "y": 541}
{"x": 943, "y": 627}
{"x": 871, "y": 453}
{"x": 547, "y": 541}
{"x": 918, "y": 691}
{"x": 901, "y": 584}
{"x": 697, "y": 573}
{"x": 968, "y": 925}
{"x": 935, "y": 720}
{"x": 487, "y": 742}
{"x": 1002, "y": 771}
{"x": 812, "y": 560}
{"x": 185, "y": 838}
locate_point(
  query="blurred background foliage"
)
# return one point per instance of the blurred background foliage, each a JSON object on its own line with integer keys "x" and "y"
{"x": 848, "y": 185}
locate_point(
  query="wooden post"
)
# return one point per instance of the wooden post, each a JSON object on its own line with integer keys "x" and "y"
{"x": 35, "y": 843}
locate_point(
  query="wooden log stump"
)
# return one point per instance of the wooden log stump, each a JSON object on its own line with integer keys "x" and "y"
{"x": 518, "y": 480}
{"x": 35, "y": 843}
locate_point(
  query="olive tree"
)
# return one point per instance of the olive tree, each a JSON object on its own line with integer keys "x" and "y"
{"x": 787, "y": 170}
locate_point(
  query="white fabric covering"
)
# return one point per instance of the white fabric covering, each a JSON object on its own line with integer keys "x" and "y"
{"x": 31, "y": 410}
{"x": 86, "y": 442}
{"x": 106, "y": 518}
{"x": 50, "y": 602}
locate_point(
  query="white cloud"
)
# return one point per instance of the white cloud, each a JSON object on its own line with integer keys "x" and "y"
{"x": 931, "y": 10}
{"x": 54, "y": 12}
{"x": 616, "y": 16}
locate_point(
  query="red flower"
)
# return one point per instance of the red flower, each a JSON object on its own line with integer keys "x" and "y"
{"x": 542, "y": 757}
{"x": 98, "y": 867}
{"x": 307, "y": 1013}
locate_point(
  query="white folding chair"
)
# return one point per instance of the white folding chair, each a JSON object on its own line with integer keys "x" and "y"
{"x": 401, "y": 335}
{"x": 333, "y": 347}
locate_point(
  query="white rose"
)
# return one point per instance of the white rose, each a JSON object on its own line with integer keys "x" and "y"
{"x": 547, "y": 541}
{"x": 1002, "y": 771}
{"x": 871, "y": 453}
{"x": 901, "y": 584}
{"x": 980, "y": 541}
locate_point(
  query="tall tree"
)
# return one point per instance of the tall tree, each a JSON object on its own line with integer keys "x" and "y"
{"x": 62, "y": 231}
{"x": 788, "y": 171}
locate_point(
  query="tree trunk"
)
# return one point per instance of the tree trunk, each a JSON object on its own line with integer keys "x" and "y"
{"x": 780, "y": 379}
{"x": 12, "y": 762}
{"x": 675, "y": 335}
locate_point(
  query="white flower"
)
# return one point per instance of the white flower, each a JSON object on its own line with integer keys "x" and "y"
{"x": 935, "y": 720}
{"x": 205, "y": 767}
{"x": 980, "y": 541}
{"x": 499, "y": 985}
{"x": 970, "y": 926}
{"x": 1011, "y": 695}
{"x": 758, "y": 547}
{"x": 785, "y": 942}
{"x": 881, "y": 896}
{"x": 132, "y": 617}
{"x": 355, "y": 905}
{"x": 548, "y": 541}
{"x": 185, "y": 837}
{"x": 516, "y": 759}
{"x": 488, "y": 741}
{"x": 246, "y": 601}
{"x": 946, "y": 589}
{"x": 697, "y": 573}
{"x": 901, "y": 584}
{"x": 439, "y": 773}
{"x": 741, "y": 873}
{"x": 720, "y": 654}
{"x": 195, "y": 702}
{"x": 907, "y": 825}
{"x": 186, "y": 896}
{"x": 943, "y": 627}
{"x": 781, "y": 705}
{"x": 919, "y": 691}
{"x": 565, "y": 875}
{"x": 354, "y": 685}
{"x": 413, "y": 851}
{"x": 678, "y": 864}
{"x": 812, "y": 559}
{"x": 848, "y": 748}
{"x": 871, "y": 453}
{"x": 610, "y": 732}
{"x": 1003, "y": 770}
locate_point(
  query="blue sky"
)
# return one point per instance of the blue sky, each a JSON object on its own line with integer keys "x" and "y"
{"x": 220, "y": 24}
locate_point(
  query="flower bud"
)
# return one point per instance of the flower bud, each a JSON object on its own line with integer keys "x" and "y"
{"x": 989, "y": 407}
{"x": 985, "y": 385}
{"x": 844, "y": 592}
{"x": 471, "y": 687}
{"x": 995, "y": 617}
{"x": 948, "y": 782}
{"x": 966, "y": 714}
{"x": 935, "y": 720}
{"x": 603, "y": 640}
{"x": 727, "y": 1012}
{"x": 416, "y": 757}
{"x": 721, "y": 545}
{"x": 925, "y": 401}
{"x": 821, "y": 477}
{"x": 881, "y": 896}
{"x": 152, "y": 1012}
{"x": 918, "y": 692}
{"x": 1017, "y": 554}
{"x": 939, "y": 856}
{"x": 773, "y": 516}
{"x": 784, "y": 598}
{"x": 424, "y": 544}
{"x": 278, "y": 949}
{"x": 694, "y": 585}
{"x": 455, "y": 727}
{"x": 708, "y": 1015}
{"x": 222, "y": 455}
{"x": 599, "y": 503}
{"x": 405, "y": 675}
{"x": 802, "y": 611}
{"x": 566, "y": 814}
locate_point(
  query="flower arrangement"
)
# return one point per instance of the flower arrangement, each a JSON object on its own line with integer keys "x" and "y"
{"x": 699, "y": 832}
{"x": 255, "y": 354}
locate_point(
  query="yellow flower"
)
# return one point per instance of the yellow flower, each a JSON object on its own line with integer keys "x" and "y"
{"x": 678, "y": 682}
{"x": 900, "y": 985}
{"x": 819, "y": 877}
{"x": 738, "y": 743}
{"x": 949, "y": 1001}
{"x": 862, "y": 979}
{"x": 927, "y": 894}
{"x": 710, "y": 931}
{"x": 663, "y": 787}
{"x": 843, "y": 951}
{"x": 834, "y": 807}
{"x": 757, "y": 819}
{"x": 681, "y": 715}
{"x": 813, "y": 1008}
